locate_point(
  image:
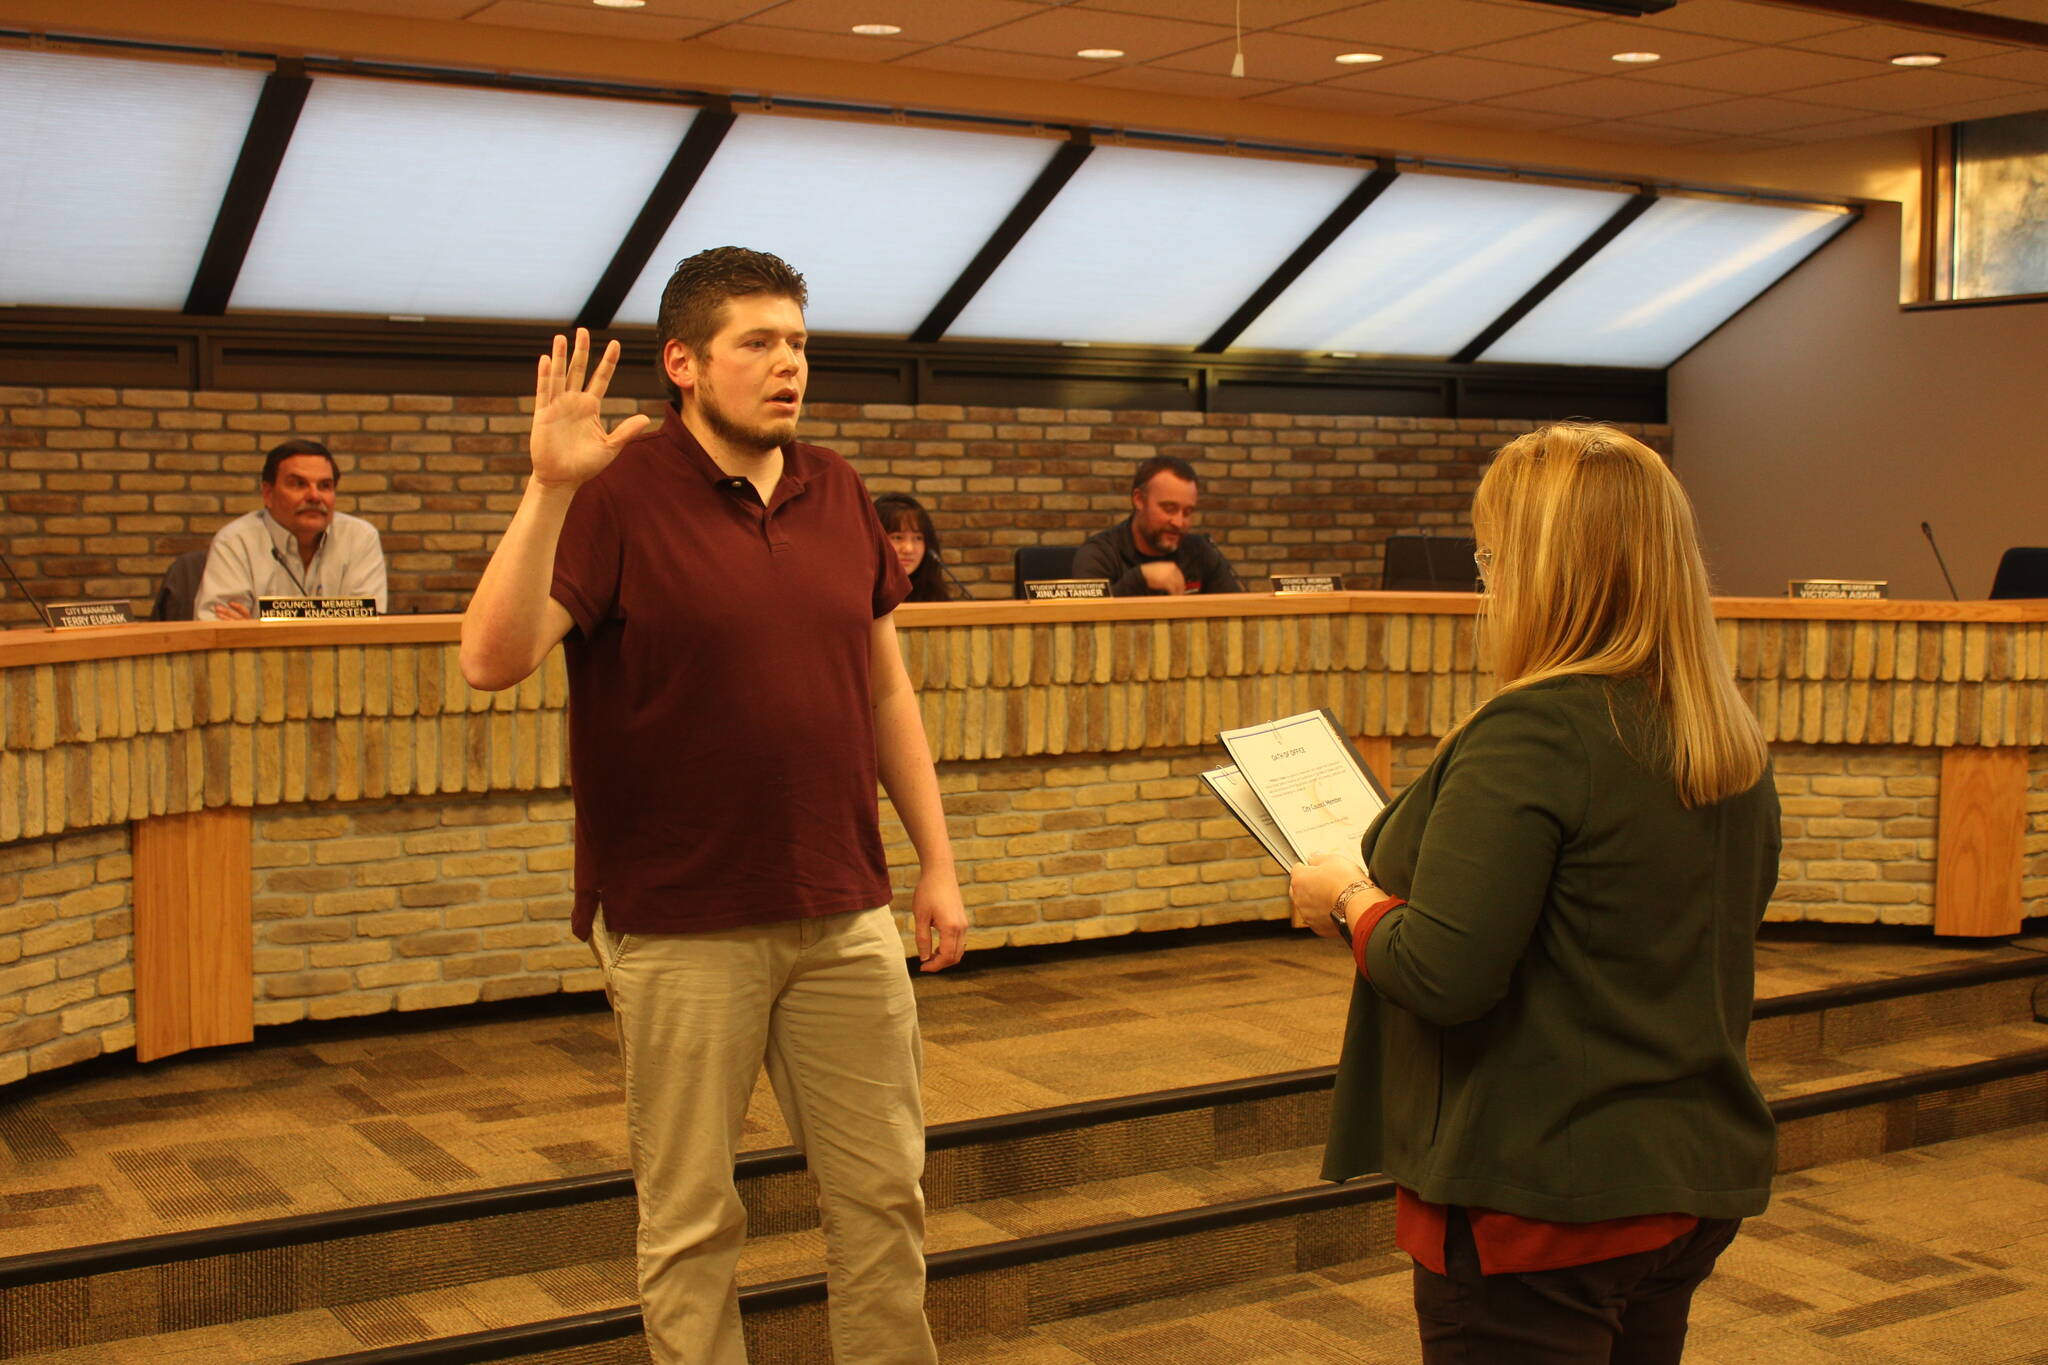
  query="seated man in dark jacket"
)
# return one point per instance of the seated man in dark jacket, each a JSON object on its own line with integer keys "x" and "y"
{"x": 1152, "y": 551}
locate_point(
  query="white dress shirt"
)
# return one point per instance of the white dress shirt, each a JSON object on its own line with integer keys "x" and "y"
{"x": 253, "y": 556}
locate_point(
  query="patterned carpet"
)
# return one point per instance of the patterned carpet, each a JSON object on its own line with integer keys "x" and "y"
{"x": 1934, "y": 1255}
{"x": 370, "y": 1114}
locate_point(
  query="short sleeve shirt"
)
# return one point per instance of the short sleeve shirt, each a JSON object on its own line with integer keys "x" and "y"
{"x": 721, "y": 721}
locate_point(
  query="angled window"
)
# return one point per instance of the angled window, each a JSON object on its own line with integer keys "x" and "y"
{"x": 114, "y": 172}
{"x": 1152, "y": 247}
{"x": 1431, "y": 263}
{"x": 1671, "y": 277}
{"x": 879, "y": 219}
{"x": 407, "y": 198}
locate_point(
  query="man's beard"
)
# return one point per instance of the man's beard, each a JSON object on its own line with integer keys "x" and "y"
{"x": 1157, "y": 542}
{"x": 761, "y": 437}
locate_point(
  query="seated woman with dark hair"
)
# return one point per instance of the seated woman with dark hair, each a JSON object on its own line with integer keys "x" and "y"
{"x": 910, "y": 530}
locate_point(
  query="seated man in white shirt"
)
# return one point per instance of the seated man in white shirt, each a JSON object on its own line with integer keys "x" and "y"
{"x": 295, "y": 545}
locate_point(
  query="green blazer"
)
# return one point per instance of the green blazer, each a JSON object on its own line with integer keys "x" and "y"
{"x": 1554, "y": 1025}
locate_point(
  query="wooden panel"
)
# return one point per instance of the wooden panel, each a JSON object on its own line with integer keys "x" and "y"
{"x": 1982, "y": 841}
{"x": 195, "y": 982}
{"x": 1378, "y": 753}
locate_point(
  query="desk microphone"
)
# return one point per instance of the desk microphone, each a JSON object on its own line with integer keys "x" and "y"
{"x": 933, "y": 556}
{"x": 297, "y": 581}
{"x": 1928, "y": 531}
{"x": 41, "y": 610}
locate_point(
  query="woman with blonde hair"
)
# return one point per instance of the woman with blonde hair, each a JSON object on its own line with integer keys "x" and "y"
{"x": 1555, "y": 942}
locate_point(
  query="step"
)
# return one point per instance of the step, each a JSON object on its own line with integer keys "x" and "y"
{"x": 1154, "y": 1227}
{"x": 1916, "y": 1082}
{"x": 1937, "y": 1254}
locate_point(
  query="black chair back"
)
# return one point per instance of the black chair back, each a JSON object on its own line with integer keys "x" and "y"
{"x": 180, "y": 587}
{"x": 1035, "y": 562}
{"x": 2022, "y": 572}
{"x": 1430, "y": 564}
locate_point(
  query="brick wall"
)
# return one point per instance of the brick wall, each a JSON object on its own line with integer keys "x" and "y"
{"x": 371, "y": 907}
{"x": 1859, "y": 834}
{"x": 99, "y": 488}
{"x": 66, "y": 948}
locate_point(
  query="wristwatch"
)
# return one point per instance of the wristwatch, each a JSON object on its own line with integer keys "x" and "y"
{"x": 1337, "y": 916}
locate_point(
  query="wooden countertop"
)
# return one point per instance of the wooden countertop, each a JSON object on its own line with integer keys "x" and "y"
{"x": 27, "y": 647}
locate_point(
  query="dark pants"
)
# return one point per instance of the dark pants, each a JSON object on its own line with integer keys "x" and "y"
{"x": 1630, "y": 1310}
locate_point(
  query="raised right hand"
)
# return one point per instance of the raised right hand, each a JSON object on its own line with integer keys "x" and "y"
{"x": 569, "y": 444}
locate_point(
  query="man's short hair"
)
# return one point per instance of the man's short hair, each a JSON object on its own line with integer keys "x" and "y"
{"x": 298, "y": 445}
{"x": 1172, "y": 464}
{"x": 693, "y": 303}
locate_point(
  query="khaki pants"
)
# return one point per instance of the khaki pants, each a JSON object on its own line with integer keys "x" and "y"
{"x": 828, "y": 1005}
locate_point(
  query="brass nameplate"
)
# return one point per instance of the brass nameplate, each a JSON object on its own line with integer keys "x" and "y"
{"x": 71, "y": 615}
{"x": 1060, "y": 589}
{"x": 1290, "y": 584}
{"x": 1863, "y": 588}
{"x": 314, "y": 608}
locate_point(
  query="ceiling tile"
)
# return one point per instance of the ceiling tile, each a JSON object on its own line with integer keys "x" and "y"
{"x": 1493, "y": 116}
{"x": 715, "y": 11}
{"x": 426, "y": 9}
{"x": 1864, "y": 126}
{"x": 1639, "y": 132}
{"x": 1900, "y": 90}
{"x": 1882, "y": 42}
{"x": 1760, "y": 71}
{"x": 1451, "y": 80}
{"x": 1998, "y": 108}
{"x": 1260, "y": 14}
{"x": 1747, "y": 22}
{"x": 978, "y": 61}
{"x": 1218, "y": 84}
{"x": 791, "y": 42}
{"x": 1591, "y": 47}
{"x": 1282, "y": 57}
{"x": 1340, "y": 100}
{"x": 1433, "y": 25}
{"x": 2030, "y": 66}
{"x": 1748, "y": 116}
{"x": 925, "y": 21}
{"x": 646, "y": 24}
{"x": 2035, "y": 11}
{"x": 1743, "y": 144}
{"x": 1063, "y": 32}
{"x": 1610, "y": 98}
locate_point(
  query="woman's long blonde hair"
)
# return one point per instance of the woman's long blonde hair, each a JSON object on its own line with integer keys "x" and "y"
{"x": 1596, "y": 569}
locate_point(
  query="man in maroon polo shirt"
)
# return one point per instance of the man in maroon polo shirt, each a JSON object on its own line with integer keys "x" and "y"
{"x": 725, "y": 596}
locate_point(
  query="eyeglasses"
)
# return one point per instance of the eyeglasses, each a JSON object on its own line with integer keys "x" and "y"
{"x": 1483, "y": 558}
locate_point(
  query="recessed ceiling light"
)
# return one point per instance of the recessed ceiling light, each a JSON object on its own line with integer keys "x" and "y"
{"x": 1917, "y": 59}
{"x": 1100, "y": 54}
{"x": 620, "y": 4}
{"x": 1638, "y": 57}
{"x": 877, "y": 30}
{"x": 1358, "y": 58}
